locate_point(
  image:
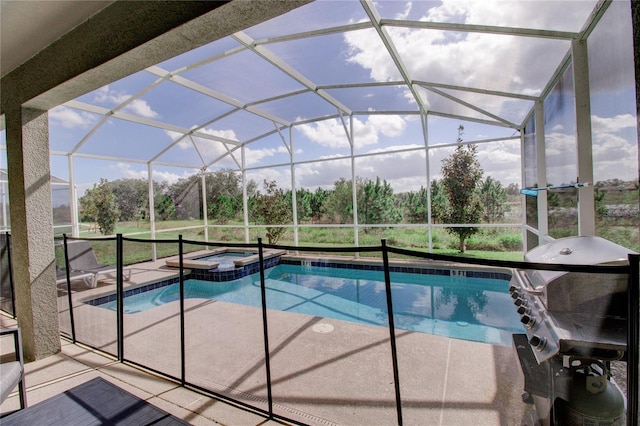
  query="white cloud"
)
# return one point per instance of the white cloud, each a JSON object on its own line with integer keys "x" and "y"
{"x": 208, "y": 148}
{"x": 559, "y": 143}
{"x": 212, "y": 149}
{"x": 612, "y": 124}
{"x": 501, "y": 161}
{"x": 331, "y": 133}
{"x": 404, "y": 171}
{"x": 388, "y": 125}
{"x": 280, "y": 175}
{"x": 322, "y": 174}
{"x": 112, "y": 98}
{"x": 615, "y": 150}
{"x": 141, "y": 108}
{"x": 473, "y": 58}
{"x": 70, "y": 118}
{"x": 158, "y": 176}
{"x": 225, "y": 134}
{"x": 173, "y": 135}
{"x": 256, "y": 156}
{"x": 405, "y": 13}
{"x": 105, "y": 96}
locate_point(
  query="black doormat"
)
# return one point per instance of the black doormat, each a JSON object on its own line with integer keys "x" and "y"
{"x": 96, "y": 402}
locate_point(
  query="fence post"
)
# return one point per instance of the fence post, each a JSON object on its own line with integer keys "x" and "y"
{"x": 633, "y": 339}
{"x": 12, "y": 286}
{"x": 120, "y": 296}
{"x": 265, "y": 327}
{"x": 392, "y": 329}
{"x": 69, "y": 298}
{"x": 182, "y": 333}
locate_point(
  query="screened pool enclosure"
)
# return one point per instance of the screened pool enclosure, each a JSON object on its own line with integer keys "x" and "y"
{"x": 217, "y": 125}
{"x": 350, "y": 92}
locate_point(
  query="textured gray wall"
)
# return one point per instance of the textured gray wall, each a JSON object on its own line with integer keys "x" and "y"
{"x": 32, "y": 232}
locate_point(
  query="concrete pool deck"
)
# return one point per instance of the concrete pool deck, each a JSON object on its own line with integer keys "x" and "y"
{"x": 323, "y": 371}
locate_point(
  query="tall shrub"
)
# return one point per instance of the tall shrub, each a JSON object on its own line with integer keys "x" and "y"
{"x": 461, "y": 177}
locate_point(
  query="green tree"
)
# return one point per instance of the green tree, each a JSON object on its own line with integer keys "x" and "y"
{"x": 131, "y": 197}
{"x": 303, "y": 203}
{"x": 376, "y": 203}
{"x": 88, "y": 209}
{"x": 186, "y": 198}
{"x": 221, "y": 186}
{"x": 317, "y": 200}
{"x": 494, "y": 199}
{"x": 227, "y": 183}
{"x": 273, "y": 208}
{"x": 223, "y": 208}
{"x": 338, "y": 205}
{"x": 553, "y": 199}
{"x": 415, "y": 206}
{"x": 513, "y": 189}
{"x": 461, "y": 177}
{"x": 601, "y": 208}
{"x": 101, "y": 203}
{"x": 165, "y": 209}
{"x": 439, "y": 201}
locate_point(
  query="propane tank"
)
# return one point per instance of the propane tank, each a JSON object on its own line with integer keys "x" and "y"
{"x": 592, "y": 400}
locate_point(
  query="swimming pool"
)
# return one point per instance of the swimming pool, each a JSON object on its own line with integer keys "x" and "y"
{"x": 477, "y": 309}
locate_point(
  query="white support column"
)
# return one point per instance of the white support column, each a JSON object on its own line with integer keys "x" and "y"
{"x": 425, "y": 134}
{"x": 541, "y": 165}
{"x": 204, "y": 207}
{"x": 354, "y": 187}
{"x": 32, "y": 231}
{"x": 294, "y": 196}
{"x": 245, "y": 204}
{"x": 152, "y": 211}
{"x": 586, "y": 201}
{"x": 75, "y": 222}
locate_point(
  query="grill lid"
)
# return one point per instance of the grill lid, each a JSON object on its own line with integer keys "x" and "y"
{"x": 588, "y": 250}
{"x": 574, "y": 313}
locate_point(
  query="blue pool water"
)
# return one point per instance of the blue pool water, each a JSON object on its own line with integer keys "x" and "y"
{"x": 478, "y": 309}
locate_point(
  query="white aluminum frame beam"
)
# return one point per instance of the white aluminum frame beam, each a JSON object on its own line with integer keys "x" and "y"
{"x": 582, "y": 98}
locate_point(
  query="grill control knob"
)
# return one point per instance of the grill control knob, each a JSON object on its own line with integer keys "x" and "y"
{"x": 538, "y": 342}
{"x": 528, "y": 321}
{"x": 519, "y": 302}
{"x": 512, "y": 288}
{"x": 524, "y": 310}
{"x": 515, "y": 295}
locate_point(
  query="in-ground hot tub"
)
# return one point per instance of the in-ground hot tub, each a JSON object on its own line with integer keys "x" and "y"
{"x": 226, "y": 263}
{"x": 223, "y": 257}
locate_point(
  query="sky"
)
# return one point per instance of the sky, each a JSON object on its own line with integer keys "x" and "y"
{"x": 198, "y": 128}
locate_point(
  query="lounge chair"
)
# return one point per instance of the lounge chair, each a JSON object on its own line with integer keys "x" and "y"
{"x": 82, "y": 260}
{"x": 12, "y": 372}
{"x": 61, "y": 276}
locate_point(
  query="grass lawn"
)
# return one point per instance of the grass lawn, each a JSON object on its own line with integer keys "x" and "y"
{"x": 495, "y": 244}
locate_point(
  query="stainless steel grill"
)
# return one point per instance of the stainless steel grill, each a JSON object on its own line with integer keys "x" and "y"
{"x": 581, "y": 314}
{"x": 575, "y": 322}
